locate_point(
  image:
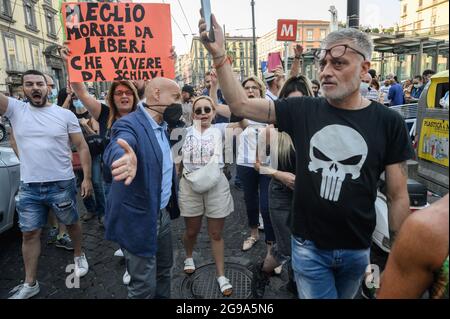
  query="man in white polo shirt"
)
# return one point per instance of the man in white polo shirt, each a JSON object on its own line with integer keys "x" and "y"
{"x": 43, "y": 135}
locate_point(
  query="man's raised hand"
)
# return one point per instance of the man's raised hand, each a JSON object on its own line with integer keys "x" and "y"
{"x": 216, "y": 48}
{"x": 124, "y": 169}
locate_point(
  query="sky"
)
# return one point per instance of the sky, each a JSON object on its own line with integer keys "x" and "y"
{"x": 237, "y": 18}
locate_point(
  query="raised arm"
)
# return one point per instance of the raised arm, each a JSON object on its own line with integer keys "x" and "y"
{"x": 259, "y": 110}
{"x": 92, "y": 105}
{"x": 296, "y": 65}
{"x": 214, "y": 87}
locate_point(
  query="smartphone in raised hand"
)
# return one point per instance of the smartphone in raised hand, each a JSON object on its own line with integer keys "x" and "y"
{"x": 206, "y": 14}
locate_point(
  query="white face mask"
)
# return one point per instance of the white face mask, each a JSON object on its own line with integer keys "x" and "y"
{"x": 53, "y": 95}
{"x": 78, "y": 104}
{"x": 364, "y": 87}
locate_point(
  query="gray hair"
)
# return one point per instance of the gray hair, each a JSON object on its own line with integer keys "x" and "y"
{"x": 361, "y": 40}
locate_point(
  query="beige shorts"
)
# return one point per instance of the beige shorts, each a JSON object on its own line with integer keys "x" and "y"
{"x": 216, "y": 203}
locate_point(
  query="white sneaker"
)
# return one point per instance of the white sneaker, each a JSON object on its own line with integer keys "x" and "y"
{"x": 24, "y": 291}
{"x": 81, "y": 266}
{"x": 261, "y": 223}
{"x": 118, "y": 253}
{"x": 126, "y": 278}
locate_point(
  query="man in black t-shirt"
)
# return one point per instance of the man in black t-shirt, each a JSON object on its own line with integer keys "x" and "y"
{"x": 343, "y": 142}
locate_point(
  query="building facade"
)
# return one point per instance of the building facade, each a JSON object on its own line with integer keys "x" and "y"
{"x": 183, "y": 69}
{"x": 425, "y": 17}
{"x": 423, "y": 21}
{"x": 239, "y": 48}
{"x": 310, "y": 34}
{"x": 30, "y": 34}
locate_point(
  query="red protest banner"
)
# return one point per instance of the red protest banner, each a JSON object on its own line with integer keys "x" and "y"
{"x": 287, "y": 30}
{"x": 113, "y": 42}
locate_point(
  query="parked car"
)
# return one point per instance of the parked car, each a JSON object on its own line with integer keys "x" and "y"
{"x": 2, "y": 132}
{"x": 9, "y": 187}
{"x": 4, "y": 125}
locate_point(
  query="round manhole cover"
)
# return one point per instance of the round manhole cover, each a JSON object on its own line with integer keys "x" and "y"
{"x": 203, "y": 284}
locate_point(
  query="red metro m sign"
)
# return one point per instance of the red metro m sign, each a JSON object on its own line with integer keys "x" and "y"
{"x": 287, "y": 30}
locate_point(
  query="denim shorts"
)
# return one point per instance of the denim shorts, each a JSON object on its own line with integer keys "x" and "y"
{"x": 36, "y": 199}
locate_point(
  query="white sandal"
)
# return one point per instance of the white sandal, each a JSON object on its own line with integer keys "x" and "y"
{"x": 189, "y": 266}
{"x": 249, "y": 243}
{"x": 225, "y": 287}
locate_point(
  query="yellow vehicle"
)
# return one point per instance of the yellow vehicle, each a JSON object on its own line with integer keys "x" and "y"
{"x": 433, "y": 135}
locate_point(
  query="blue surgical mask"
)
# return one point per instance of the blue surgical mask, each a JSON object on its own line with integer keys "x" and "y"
{"x": 364, "y": 88}
{"x": 78, "y": 104}
{"x": 53, "y": 95}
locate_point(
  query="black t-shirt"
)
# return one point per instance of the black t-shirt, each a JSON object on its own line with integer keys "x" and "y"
{"x": 105, "y": 133}
{"x": 103, "y": 120}
{"x": 340, "y": 157}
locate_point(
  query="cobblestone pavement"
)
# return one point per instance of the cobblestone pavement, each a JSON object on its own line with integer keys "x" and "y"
{"x": 104, "y": 279}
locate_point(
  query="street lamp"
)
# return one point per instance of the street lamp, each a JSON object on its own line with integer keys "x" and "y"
{"x": 255, "y": 62}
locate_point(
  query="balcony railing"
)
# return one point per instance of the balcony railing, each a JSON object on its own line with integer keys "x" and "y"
{"x": 430, "y": 31}
{"x": 20, "y": 67}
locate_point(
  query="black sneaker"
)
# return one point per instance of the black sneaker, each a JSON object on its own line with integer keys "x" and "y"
{"x": 64, "y": 242}
{"x": 368, "y": 293}
{"x": 52, "y": 235}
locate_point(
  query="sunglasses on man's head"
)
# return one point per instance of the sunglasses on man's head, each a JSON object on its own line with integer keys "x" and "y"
{"x": 200, "y": 110}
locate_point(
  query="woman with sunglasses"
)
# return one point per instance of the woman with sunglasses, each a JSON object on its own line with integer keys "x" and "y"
{"x": 281, "y": 192}
{"x": 204, "y": 141}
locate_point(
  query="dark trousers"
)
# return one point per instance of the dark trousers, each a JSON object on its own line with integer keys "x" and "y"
{"x": 151, "y": 276}
{"x": 256, "y": 195}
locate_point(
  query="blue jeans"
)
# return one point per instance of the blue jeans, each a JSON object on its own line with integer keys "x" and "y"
{"x": 35, "y": 199}
{"x": 151, "y": 277}
{"x": 96, "y": 205}
{"x": 256, "y": 196}
{"x": 327, "y": 274}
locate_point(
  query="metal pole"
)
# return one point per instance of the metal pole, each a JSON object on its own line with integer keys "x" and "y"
{"x": 255, "y": 60}
{"x": 353, "y": 13}
{"x": 436, "y": 58}
{"x": 419, "y": 59}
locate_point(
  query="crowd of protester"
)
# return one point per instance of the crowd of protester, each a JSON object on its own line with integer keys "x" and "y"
{"x": 316, "y": 205}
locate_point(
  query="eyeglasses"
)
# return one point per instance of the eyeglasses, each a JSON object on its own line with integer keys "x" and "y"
{"x": 121, "y": 93}
{"x": 200, "y": 110}
{"x": 337, "y": 51}
{"x": 253, "y": 88}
